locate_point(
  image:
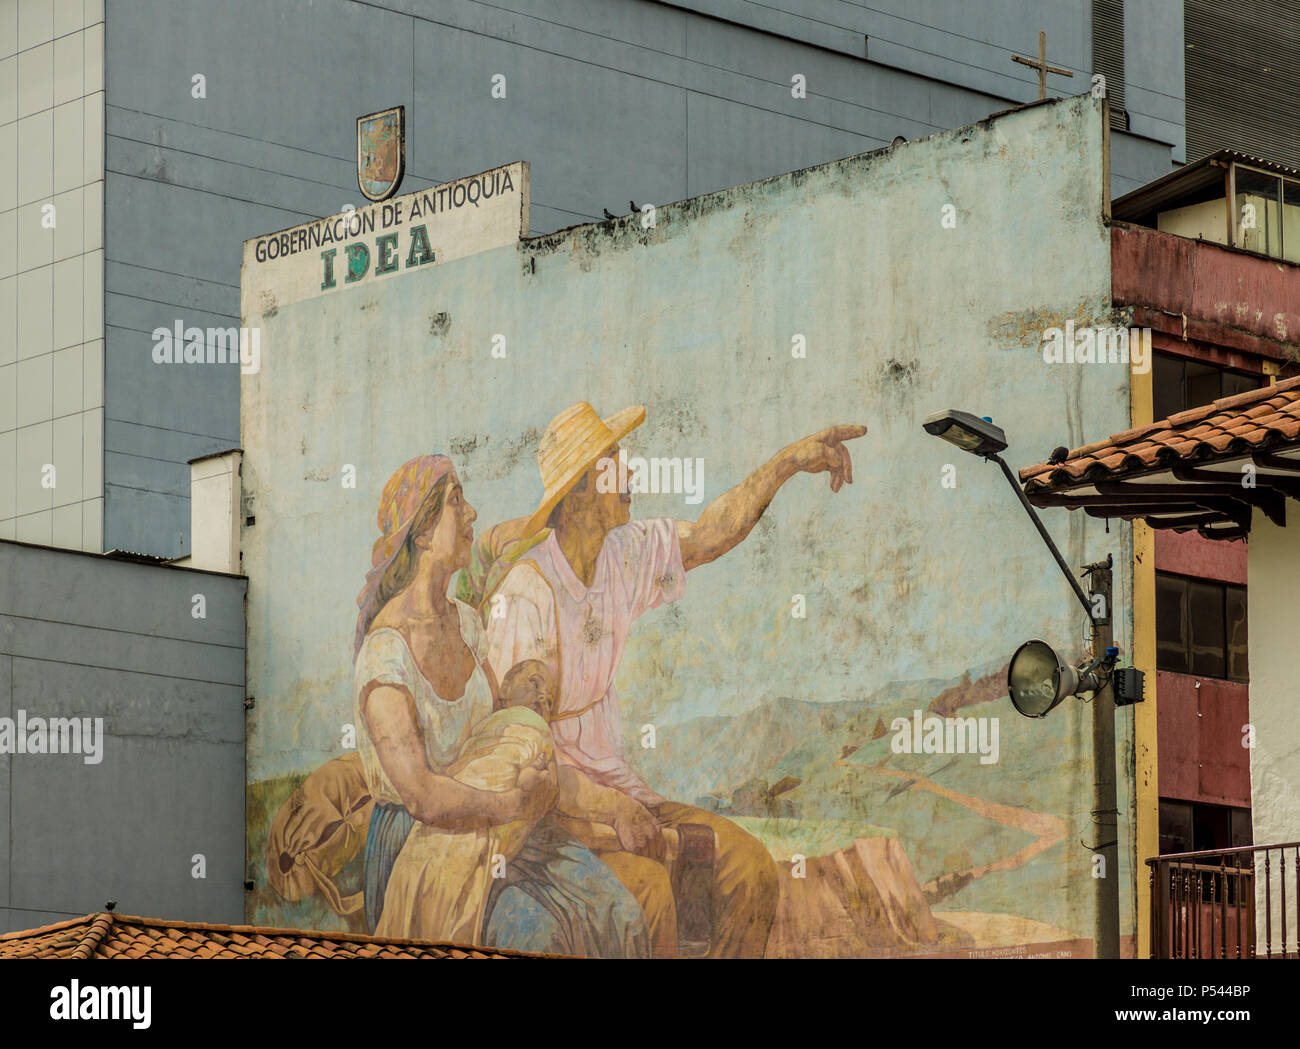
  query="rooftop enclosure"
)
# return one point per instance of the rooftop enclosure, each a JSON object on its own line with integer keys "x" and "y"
{"x": 1227, "y": 198}
{"x": 782, "y": 687}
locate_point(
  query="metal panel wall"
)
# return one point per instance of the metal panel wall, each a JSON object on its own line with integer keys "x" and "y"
{"x": 1243, "y": 79}
{"x": 89, "y": 637}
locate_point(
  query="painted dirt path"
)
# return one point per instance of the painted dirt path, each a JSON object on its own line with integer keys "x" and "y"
{"x": 1046, "y": 828}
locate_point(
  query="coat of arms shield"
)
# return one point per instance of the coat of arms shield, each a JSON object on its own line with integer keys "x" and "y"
{"x": 381, "y": 152}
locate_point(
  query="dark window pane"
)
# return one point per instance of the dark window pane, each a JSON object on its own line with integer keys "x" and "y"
{"x": 1175, "y": 826}
{"x": 1211, "y": 827}
{"x": 1241, "y": 832}
{"x": 1167, "y": 385}
{"x": 1205, "y": 614}
{"x": 1235, "y": 383}
{"x": 1204, "y": 381}
{"x": 1171, "y": 624}
{"x": 1238, "y": 666}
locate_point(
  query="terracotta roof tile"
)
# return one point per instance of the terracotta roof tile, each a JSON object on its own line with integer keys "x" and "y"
{"x": 109, "y": 935}
{"x": 1267, "y": 417}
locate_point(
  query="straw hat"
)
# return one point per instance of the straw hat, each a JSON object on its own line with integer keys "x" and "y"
{"x": 576, "y": 438}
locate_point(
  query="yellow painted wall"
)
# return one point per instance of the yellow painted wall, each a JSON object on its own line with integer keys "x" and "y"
{"x": 1147, "y": 814}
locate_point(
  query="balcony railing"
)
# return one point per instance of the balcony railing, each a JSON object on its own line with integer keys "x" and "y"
{"x": 1226, "y": 903}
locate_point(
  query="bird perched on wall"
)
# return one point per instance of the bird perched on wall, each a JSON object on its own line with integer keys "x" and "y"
{"x": 609, "y": 214}
{"x": 632, "y": 204}
{"x": 1059, "y": 454}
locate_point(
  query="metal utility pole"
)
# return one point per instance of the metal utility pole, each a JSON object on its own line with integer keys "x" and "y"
{"x": 1105, "y": 804}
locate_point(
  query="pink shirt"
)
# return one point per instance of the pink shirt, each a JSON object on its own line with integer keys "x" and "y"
{"x": 580, "y": 632}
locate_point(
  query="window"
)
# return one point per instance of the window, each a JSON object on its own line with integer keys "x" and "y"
{"x": 1266, "y": 214}
{"x": 1201, "y": 627}
{"x": 1181, "y": 384}
{"x": 1194, "y": 826}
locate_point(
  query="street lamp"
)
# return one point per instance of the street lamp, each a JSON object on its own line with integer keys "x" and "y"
{"x": 1038, "y": 679}
{"x": 980, "y": 437}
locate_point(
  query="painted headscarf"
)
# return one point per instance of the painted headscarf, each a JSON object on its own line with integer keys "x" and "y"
{"x": 404, "y": 495}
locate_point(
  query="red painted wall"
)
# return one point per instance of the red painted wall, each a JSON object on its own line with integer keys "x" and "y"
{"x": 1216, "y": 295}
{"x": 1200, "y": 732}
{"x": 1189, "y": 554}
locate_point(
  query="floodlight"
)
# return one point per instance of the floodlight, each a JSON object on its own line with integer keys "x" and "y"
{"x": 1038, "y": 679}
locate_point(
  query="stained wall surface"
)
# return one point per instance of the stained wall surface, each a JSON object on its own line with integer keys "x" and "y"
{"x": 744, "y": 320}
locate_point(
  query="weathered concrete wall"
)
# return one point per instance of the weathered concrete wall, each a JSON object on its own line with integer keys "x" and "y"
{"x": 1274, "y": 562}
{"x": 610, "y": 99}
{"x": 911, "y": 586}
{"x": 88, "y": 637}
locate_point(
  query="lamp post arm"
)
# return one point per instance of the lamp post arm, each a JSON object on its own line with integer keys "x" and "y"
{"x": 1033, "y": 516}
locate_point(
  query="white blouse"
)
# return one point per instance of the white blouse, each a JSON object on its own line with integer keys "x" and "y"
{"x": 445, "y": 724}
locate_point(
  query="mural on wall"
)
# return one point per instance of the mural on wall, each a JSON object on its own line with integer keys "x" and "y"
{"x": 587, "y": 698}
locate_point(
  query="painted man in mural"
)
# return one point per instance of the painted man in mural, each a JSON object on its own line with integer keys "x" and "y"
{"x": 567, "y": 598}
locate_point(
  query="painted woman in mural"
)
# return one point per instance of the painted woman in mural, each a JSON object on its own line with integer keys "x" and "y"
{"x": 462, "y": 771}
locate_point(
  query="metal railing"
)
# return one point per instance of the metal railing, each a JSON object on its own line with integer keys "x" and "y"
{"x": 1226, "y": 903}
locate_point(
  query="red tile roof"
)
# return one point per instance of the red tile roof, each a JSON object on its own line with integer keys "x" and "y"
{"x": 1182, "y": 472}
{"x": 109, "y": 935}
{"x": 1257, "y": 421}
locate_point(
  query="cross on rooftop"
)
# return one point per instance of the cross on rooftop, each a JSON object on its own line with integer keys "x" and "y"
{"x": 1041, "y": 65}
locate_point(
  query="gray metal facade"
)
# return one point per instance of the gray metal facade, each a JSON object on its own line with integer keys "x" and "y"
{"x": 87, "y": 636}
{"x": 610, "y": 101}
